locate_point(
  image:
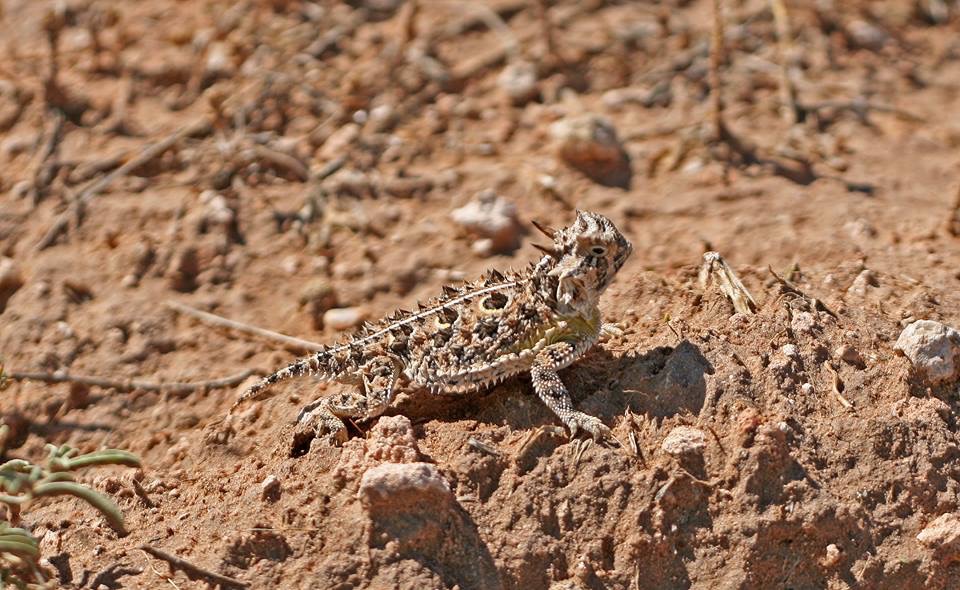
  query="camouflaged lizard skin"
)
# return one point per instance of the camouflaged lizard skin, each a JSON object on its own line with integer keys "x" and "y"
{"x": 477, "y": 334}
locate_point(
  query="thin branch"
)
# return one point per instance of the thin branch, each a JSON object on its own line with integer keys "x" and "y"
{"x": 209, "y": 318}
{"x": 716, "y": 59}
{"x": 132, "y": 384}
{"x": 953, "y": 222}
{"x": 87, "y": 195}
{"x": 192, "y": 571}
{"x": 546, "y": 30}
{"x": 861, "y": 108}
{"x": 788, "y": 92}
{"x": 47, "y": 161}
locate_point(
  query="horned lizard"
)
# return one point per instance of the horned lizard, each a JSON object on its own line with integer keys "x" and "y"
{"x": 478, "y": 334}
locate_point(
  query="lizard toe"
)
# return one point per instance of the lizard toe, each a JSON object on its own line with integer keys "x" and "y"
{"x": 597, "y": 429}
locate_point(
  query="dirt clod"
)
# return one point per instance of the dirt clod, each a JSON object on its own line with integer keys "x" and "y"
{"x": 942, "y": 536}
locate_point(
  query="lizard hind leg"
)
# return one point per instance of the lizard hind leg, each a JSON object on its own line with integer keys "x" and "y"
{"x": 325, "y": 416}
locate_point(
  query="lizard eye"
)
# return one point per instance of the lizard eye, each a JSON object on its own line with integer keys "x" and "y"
{"x": 598, "y": 250}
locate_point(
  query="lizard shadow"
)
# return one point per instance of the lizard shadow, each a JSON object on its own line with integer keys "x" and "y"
{"x": 661, "y": 382}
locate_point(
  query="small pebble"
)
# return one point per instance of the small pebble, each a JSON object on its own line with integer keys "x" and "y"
{"x": 589, "y": 143}
{"x": 832, "y": 557}
{"x": 270, "y": 488}
{"x": 849, "y": 355}
{"x": 342, "y": 318}
{"x": 384, "y": 486}
{"x": 518, "y": 81}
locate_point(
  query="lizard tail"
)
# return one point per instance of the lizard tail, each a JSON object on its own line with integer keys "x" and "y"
{"x": 319, "y": 363}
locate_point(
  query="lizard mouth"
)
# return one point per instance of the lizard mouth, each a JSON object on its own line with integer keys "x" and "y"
{"x": 570, "y": 290}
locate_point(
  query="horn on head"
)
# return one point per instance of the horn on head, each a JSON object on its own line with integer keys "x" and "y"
{"x": 544, "y": 229}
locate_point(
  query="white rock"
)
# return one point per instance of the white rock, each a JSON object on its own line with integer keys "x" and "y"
{"x": 493, "y": 217}
{"x": 943, "y": 536}
{"x": 790, "y": 351}
{"x": 684, "y": 440}
{"x": 218, "y": 60}
{"x": 833, "y": 556}
{"x": 867, "y": 35}
{"x": 518, "y": 80}
{"x": 218, "y": 210}
{"x": 342, "y": 318}
{"x": 860, "y": 229}
{"x": 933, "y": 348}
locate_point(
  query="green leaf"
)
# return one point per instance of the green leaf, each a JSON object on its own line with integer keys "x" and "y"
{"x": 104, "y": 457}
{"x": 105, "y": 505}
{"x": 19, "y": 548}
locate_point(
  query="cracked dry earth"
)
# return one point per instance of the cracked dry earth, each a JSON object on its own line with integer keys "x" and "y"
{"x": 789, "y": 448}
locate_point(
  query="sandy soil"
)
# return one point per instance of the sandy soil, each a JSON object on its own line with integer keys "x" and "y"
{"x": 326, "y": 145}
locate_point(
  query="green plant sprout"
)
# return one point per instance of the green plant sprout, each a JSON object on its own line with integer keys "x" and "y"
{"x": 22, "y": 482}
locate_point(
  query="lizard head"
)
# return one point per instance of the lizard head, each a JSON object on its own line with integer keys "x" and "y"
{"x": 585, "y": 257}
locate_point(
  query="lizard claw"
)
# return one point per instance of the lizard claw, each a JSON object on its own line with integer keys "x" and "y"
{"x": 319, "y": 423}
{"x": 597, "y": 429}
{"x": 610, "y": 329}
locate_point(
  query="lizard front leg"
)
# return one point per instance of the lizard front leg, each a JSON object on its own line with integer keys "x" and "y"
{"x": 324, "y": 417}
{"x": 550, "y": 389}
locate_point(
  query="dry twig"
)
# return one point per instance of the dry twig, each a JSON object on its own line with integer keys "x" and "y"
{"x": 192, "y": 571}
{"x": 289, "y": 341}
{"x": 788, "y": 92}
{"x": 953, "y": 221}
{"x": 838, "y": 387}
{"x": 47, "y": 161}
{"x": 716, "y": 59}
{"x": 132, "y": 384}
{"x": 716, "y": 269}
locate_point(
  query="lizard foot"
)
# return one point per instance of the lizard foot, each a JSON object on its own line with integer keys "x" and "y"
{"x": 597, "y": 429}
{"x": 317, "y": 422}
